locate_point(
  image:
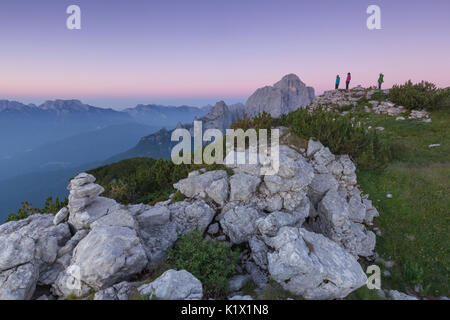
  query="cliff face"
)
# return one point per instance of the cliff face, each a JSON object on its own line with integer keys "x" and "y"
{"x": 221, "y": 116}
{"x": 285, "y": 96}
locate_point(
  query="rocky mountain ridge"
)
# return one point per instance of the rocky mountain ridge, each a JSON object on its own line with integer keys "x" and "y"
{"x": 159, "y": 144}
{"x": 221, "y": 116}
{"x": 28, "y": 127}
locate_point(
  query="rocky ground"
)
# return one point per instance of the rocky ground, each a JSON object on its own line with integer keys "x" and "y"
{"x": 337, "y": 99}
{"x": 305, "y": 228}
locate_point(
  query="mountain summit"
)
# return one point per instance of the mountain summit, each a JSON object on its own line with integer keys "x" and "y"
{"x": 221, "y": 116}
{"x": 285, "y": 96}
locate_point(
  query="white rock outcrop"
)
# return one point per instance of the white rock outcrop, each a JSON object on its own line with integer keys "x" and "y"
{"x": 174, "y": 285}
{"x": 28, "y": 252}
{"x": 313, "y": 266}
{"x": 305, "y": 226}
{"x": 334, "y": 99}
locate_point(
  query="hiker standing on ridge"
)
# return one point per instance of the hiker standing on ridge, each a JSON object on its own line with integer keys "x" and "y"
{"x": 349, "y": 78}
{"x": 380, "y": 80}
{"x": 338, "y": 81}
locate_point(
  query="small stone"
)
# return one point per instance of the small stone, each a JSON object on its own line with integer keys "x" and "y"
{"x": 214, "y": 228}
{"x": 241, "y": 298}
{"x": 410, "y": 237}
{"x": 237, "y": 282}
{"x": 418, "y": 288}
{"x": 396, "y": 295}
{"x": 389, "y": 196}
{"x": 381, "y": 294}
{"x": 174, "y": 285}
{"x": 61, "y": 216}
{"x": 313, "y": 147}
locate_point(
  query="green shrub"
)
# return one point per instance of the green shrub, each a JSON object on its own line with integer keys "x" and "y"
{"x": 178, "y": 197}
{"x": 413, "y": 273}
{"x": 145, "y": 180}
{"x": 28, "y": 209}
{"x": 140, "y": 180}
{"x": 214, "y": 167}
{"x": 23, "y": 213}
{"x": 443, "y": 99}
{"x": 274, "y": 291}
{"x": 423, "y": 95}
{"x": 364, "y": 293}
{"x": 53, "y": 207}
{"x": 249, "y": 288}
{"x": 341, "y": 135}
{"x": 260, "y": 121}
{"x": 137, "y": 296}
{"x": 379, "y": 96}
{"x": 210, "y": 261}
{"x": 344, "y": 108}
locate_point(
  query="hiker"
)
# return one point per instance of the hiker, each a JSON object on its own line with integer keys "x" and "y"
{"x": 380, "y": 80}
{"x": 347, "y": 82}
{"x": 338, "y": 81}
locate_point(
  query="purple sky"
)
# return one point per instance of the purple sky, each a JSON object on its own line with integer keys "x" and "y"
{"x": 199, "y": 51}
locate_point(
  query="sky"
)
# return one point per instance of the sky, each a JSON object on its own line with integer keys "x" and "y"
{"x": 196, "y": 52}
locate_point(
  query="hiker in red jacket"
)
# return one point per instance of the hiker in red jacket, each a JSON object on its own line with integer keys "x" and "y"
{"x": 347, "y": 82}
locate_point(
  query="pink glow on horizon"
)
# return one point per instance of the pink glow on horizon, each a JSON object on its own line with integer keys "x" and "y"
{"x": 216, "y": 50}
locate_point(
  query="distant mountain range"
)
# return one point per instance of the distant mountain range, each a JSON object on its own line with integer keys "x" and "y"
{"x": 26, "y": 127}
{"x": 165, "y": 116}
{"x": 41, "y": 147}
{"x": 159, "y": 144}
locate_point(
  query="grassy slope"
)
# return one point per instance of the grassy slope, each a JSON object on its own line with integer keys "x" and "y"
{"x": 415, "y": 222}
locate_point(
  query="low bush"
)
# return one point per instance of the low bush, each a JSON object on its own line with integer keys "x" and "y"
{"x": 144, "y": 180}
{"x": 260, "y": 121}
{"x": 344, "y": 108}
{"x": 341, "y": 135}
{"x": 210, "y": 261}
{"x": 274, "y": 291}
{"x": 379, "y": 96}
{"x": 178, "y": 197}
{"x": 28, "y": 209}
{"x": 422, "y": 95}
{"x": 139, "y": 180}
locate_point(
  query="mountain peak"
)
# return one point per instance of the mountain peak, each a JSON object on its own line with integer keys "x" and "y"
{"x": 289, "y": 81}
{"x": 285, "y": 96}
{"x": 15, "y": 105}
{"x": 64, "y": 105}
{"x": 220, "y": 105}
